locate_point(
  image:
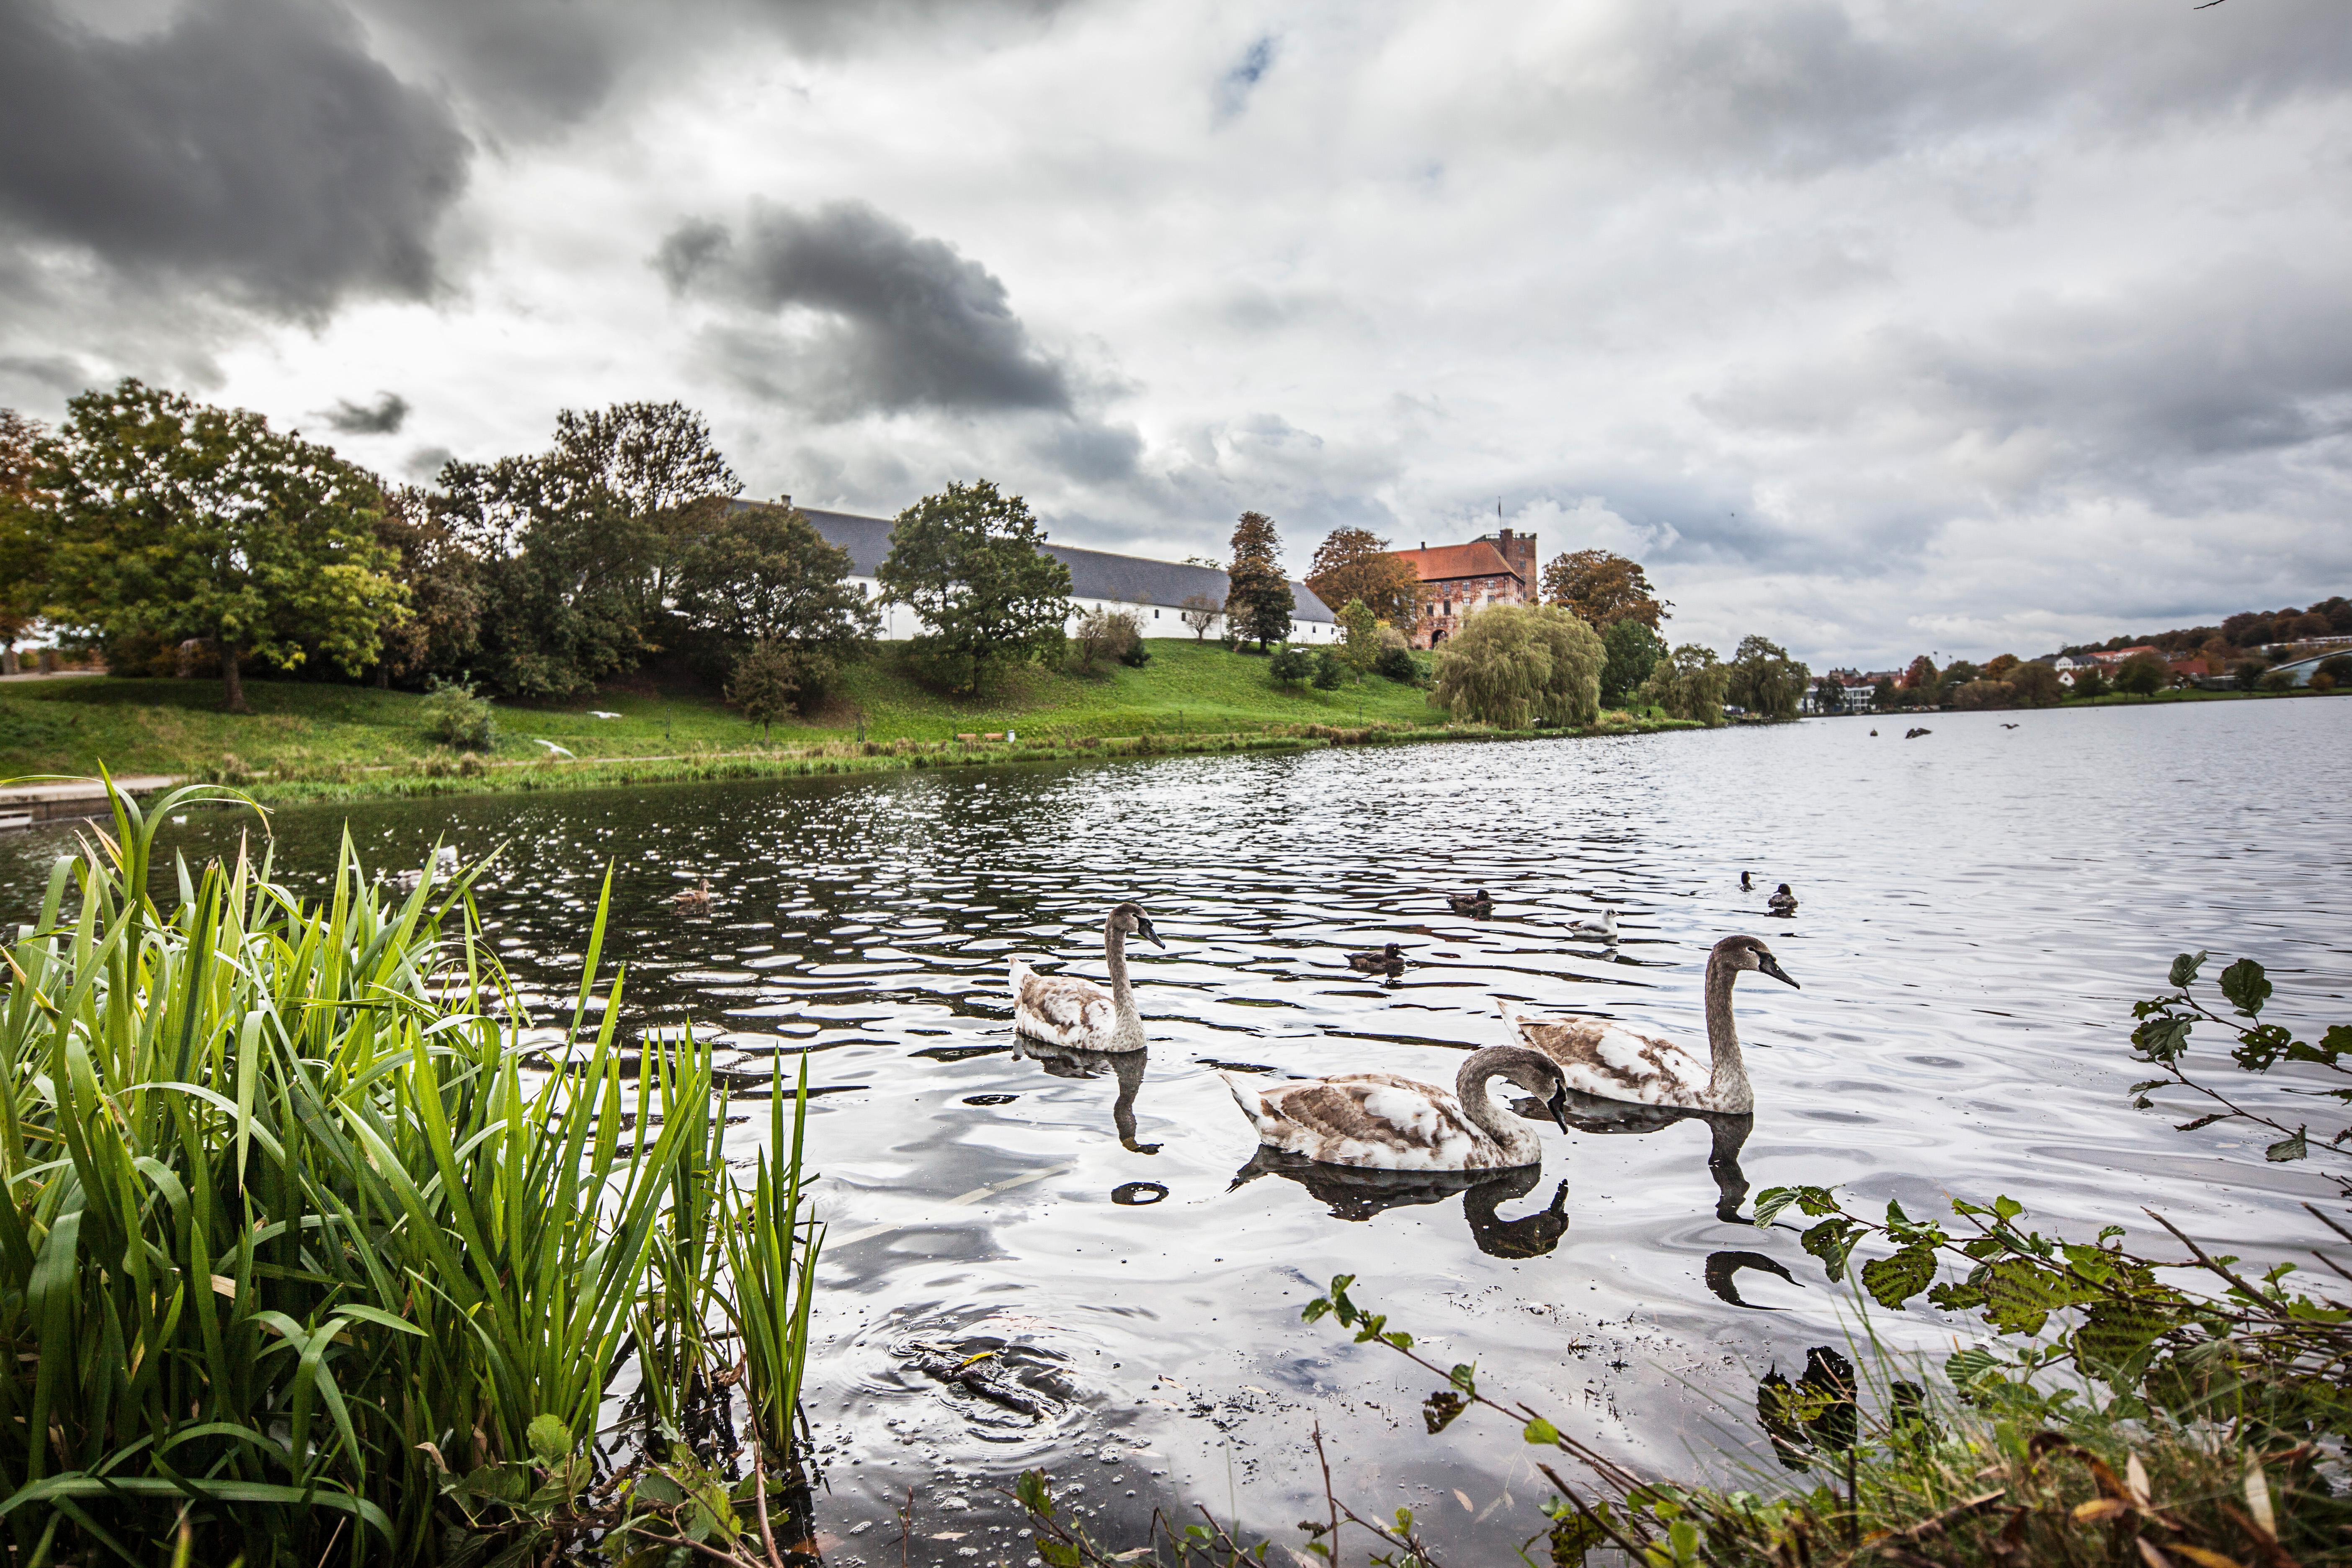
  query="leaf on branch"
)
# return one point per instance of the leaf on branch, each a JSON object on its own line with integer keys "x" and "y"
{"x": 1540, "y": 1431}
{"x": 2246, "y": 986}
{"x": 2146, "y": 1084}
{"x": 2203, "y": 1122}
{"x": 1892, "y": 1281}
{"x": 2285, "y": 1148}
{"x": 2185, "y": 968}
{"x": 2020, "y": 1296}
{"x": 1439, "y": 1408}
{"x": 2162, "y": 1038}
{"x": 1831, "y": 1241}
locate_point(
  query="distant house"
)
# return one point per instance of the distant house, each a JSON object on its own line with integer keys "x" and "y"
{"x": 1493, "y": 569}
{"x": 1154, "y": 591}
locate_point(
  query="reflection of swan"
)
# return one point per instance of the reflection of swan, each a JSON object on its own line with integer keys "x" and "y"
{"x": 1386, "y": 1123}
{"x": 1063, "y": 1010}
{"x": 1726, "y": 1135}
{"x": 1606, "y": 1060}
{"x": 1126, "y": 1065}
{"x": 1354, "y": 1194}
{"x": 1722, "y": 1266}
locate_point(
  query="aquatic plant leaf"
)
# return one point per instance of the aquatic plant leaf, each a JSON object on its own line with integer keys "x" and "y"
{"x": 550, "y": 1438}
{"x": 2285, "y": 1148}
{"x": 1892, "y": 1281}
{"x": 2246, "y": 986}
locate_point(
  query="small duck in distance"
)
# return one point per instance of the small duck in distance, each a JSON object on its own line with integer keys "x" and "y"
{"x": 1603, "y": 1058}
{"x": 444, "y": 866}
{"x": 1748, "y": 878}
{"x": 1078, "y": 1015}
{"x": 1783, "y": 902}
{"x": 1478, "y": 904}
{"x": 1605, "y": 928}
{"x": 694, "y": 901}
{"x": 1389, "y": 960}
{"x": 1379, "y": 1120}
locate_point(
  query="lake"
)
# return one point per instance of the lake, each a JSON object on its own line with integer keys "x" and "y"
{"x": 1979, "y": 907}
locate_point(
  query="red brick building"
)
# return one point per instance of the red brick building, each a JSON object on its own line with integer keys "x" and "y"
{"x": 1494, "y": 569}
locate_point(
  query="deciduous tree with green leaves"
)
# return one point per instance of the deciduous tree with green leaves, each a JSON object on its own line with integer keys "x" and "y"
{"x": 967, "y": 561}
{"x": 1356, "y": 563}
{"x": 1361, "y": 628}
{"x": 179, "y": 519}
{"x": 1633, "y": 650}
{"x": 1258, "y": 595}
{"x": 764, "y": 573}
{"x": 24, "y": 542}
{"x": 1765, "y": 679}
{"x": 1690, "y": 683}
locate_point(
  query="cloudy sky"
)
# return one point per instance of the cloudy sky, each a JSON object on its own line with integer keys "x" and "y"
{"x": 1876, "y": 327}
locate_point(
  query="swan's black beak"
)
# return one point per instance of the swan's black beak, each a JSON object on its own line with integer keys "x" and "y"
{"x": 1771, "y": 966}
{"x": 1153, "y": 937}
{"x": 1558, "y": 1106}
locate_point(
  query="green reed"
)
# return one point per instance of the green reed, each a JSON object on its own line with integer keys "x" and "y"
{"x": 299, "y": 1261}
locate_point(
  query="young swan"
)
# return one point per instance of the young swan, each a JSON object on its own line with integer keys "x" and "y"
{"x": 1078, "y": 1015}
{"x": 1385, "y": 1122}
{"x": 1608, "y": 1060}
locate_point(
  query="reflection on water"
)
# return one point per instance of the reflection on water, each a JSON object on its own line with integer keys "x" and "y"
{"x": 1979, "y": 907}
{"x": 1354, "y": 1192}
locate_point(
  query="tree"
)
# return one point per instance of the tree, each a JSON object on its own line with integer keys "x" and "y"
{"x": 2336, "y": 667}
{"x": 1258, "y": 595}
{"x": 24, "y": 544}
{"x": 1290, "y": 666}
{"x": 766, "y": 683}
{"x": 1633, "y": 650}
{"x": 1107, "y": 634}
{"x": 1353, "y": 564}
{"x": 1690, "y": 683}
{"x": 967, "y": 561}
{"x": 441, "y": 630}
{"x": 1998, "y": 667}
{"x": 763, "y": 573}
{"x": 2036, "y": 686}
{"x": 1977, "y": 694}
{"x": 654, "y": 465}
{"x": 1199, "y": 612}
{"x": 2091, "y": 683}
{"x": 1361, "y": 649}
{"x": 1498, "y": 669}
{"x": 1571, "y": 693}
{"x": 1764, "y": 679}
{"x": 1921, "y": 676}
{"x": 1882, "y": 694}
{"x": 178, "y": 520}
{"x": 1604, "y": 588}
{"x": 2143, "y": 675}
{"x": 1331, "y": 670}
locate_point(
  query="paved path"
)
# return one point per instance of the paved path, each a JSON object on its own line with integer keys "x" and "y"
{"x": 23, "y": 804}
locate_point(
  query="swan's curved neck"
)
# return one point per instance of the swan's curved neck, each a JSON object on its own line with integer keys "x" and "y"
{"x": 1728, "y": 1084}
{"x": 1479, "y": 1105}
{"x": 1122, "y": 996}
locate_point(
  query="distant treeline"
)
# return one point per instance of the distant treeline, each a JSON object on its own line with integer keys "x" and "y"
{"x": 2250, "y": 628}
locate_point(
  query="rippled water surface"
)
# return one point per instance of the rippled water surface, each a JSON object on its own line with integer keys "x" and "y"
{"x": 1979, "y": 908}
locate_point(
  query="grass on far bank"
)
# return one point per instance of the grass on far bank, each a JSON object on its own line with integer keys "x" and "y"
{"x": 314, "y": 739}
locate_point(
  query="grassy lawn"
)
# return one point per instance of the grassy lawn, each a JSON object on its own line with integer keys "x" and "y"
{"x": 69, "y": 726}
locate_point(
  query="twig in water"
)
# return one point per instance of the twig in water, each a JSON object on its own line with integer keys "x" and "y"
{"x": 759, "y": 1478}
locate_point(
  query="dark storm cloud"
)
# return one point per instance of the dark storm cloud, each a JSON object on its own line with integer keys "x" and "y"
{"x": 253, "y": 144}
{"x": 534, "y": 67}
{"x": 384, "y": 416}
{"x": 893, "y": 320}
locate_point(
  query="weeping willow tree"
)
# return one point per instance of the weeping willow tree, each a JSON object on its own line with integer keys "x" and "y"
{"x": 1512, "y": 665}
{"x": 1690, "y": 683}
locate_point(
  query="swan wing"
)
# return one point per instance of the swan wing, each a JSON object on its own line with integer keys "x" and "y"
{"x": 1606, "y": 1060}
{"x": 1377, "y": 1120}
{"x": 1061, "y": 1009}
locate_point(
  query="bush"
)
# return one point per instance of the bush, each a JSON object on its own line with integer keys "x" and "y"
{"x": 456, "y": 717}
{"x": 2275, "y": 680}
{"x": 1137, "y": 654}
{"x": 2323, "y": 682}
{"x": 1290, "y": 666}
{"x": 2143, "y": 675}
{"x": 230, "y": 770}
{"x": 2091, "y": 683}
{"x": 1984, "y": 694}
{"x": 1396, "y": 663}
{"x": 2336, "y": 667}
{"x": 1329, "y": 672}
{"x": 1107, "y": 634}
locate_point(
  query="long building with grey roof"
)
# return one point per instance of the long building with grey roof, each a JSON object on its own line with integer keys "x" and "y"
{"x": 1154, "y": 590}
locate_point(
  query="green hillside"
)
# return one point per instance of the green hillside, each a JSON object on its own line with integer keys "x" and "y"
{"x": 303, "y": 728}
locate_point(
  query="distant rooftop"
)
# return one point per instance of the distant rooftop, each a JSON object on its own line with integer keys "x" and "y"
{"x": 1094, "y": 573}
